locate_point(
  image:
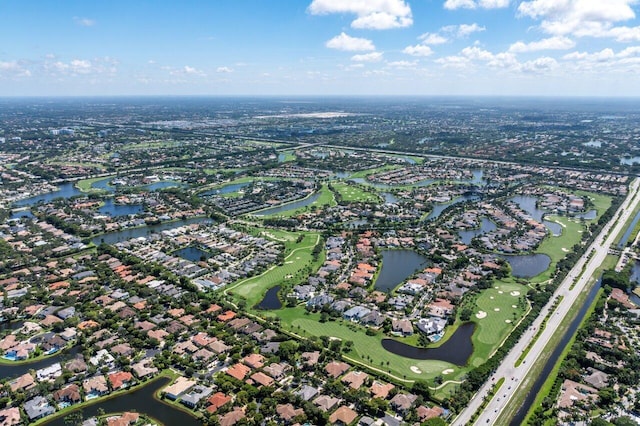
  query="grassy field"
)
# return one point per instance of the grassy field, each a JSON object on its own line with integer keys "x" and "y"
{"x": 298, "y": 264}
{"x": 288, "y": 156}
{"x": 326, "y": 198}
{"x": 354, "y": 194}
{"x": 86, "y": 185}
{"x": 367, "y": 172}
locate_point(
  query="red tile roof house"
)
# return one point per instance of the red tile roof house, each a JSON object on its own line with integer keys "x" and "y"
{"x": 216, "y": 401}
{"x": 287, "y": 412}
{"x": 254, "y": 360}
{"x": 336, "y": 368}
{"x": 120, "y": 380}
{"x": 238, "y": 371}
{"x": 343, "y": 415}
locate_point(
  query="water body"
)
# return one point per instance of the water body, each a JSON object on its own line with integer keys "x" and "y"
{"x": 192, "y": 253}
{"x": 289, "y": 206}
{"x": 141, "y": 400}
{"x": 553, "y": 359}
{"x": 66, "y": 190}
{"x": 528, "y": 204}
{"x": 281, "y": 158}
{"x": 104, "y": 184}
{"x": 456, "y": 350}
{"x": 162, "y": 185}
{"x": 143, "y": 231}
{"x": 8, "y": 370}
{"x": 115, "y": 210}
{"x": 227, "y": 189}
{"x": 555, "y": 228}
{"x": 629, "y": 161}
{"x": 20, "y": 214}
{"x": 590, "y": 215}
{"x": 439, "y": 208}
{"x": 270, "y": 300}
{"x": 527, "y": 265}
{"x": 425, "y": 182}
{"x": 629, "y": 230}
{"x": 389, "y": 198}
{"x": 397, "y": 266}
{"x": 486, "y": 225}
{"x": 10, "y": 325}
{"x": 478, "y": 175}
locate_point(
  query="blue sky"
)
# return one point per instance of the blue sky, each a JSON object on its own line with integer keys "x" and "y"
{"x": 320, "y": 47}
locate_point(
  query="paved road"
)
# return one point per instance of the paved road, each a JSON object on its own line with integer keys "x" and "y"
{"x": 514, "y": 376}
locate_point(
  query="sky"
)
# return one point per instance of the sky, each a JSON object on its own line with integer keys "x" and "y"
{"x": 320, "y": 47}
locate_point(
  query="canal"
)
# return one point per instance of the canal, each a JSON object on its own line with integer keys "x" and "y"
{"x": 141, "y": 400}
{"x": 553, "y": 359}
{"x": 18, "y": 368}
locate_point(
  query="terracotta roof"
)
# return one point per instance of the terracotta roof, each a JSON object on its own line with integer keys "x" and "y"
{"x": 344, "y": 415}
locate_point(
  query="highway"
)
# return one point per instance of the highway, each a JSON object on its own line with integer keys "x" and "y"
{"x": 515, "y": 376}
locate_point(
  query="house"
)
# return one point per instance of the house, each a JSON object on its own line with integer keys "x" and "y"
{"x": 426, "y": 413}
{"x": 402, "y": 326}
{"x": 23, "y": 383}
{"x": 310, "y": 358}
{"x": 306, "y": 392}
{"x": 262, "y": 379}
{"x": 120, "y": 380}
{"x": 277, "y": 370}
{"x": 402, "y": 402}
{"x": 343, "y": 415}
{"x": 326, "y": 403}
{"x": 287, "y": 412}
{"x": 177, "y": 388}
{"x": 598, "y": 379}
{"x": 374, "y": 318}
{"x": 144, "y": 368}
{"x": 254, "y": 360}
{"x": 102, "y": 358}
{"x": 195, "y": 395}
{"x": 76, "y": 365}
{"x": 37, "y": 408}
{"x": 69, "y": 394}
{"x": 238, "y": 371}
{"x": 336, "y": 368}
{"x": 126, "y": 419}
{"x": 573, "y": 391}
{"x": 232, "y": 417}
{"x": 216, "y": 401}
{"x": 355, "y": 379}
{"x": 380, "y": 390}
{"x": 10, "y": 416}
{"x": 356, "y": 313}
{"x": 440, "y": 308}
{"x": 94, "y": 387}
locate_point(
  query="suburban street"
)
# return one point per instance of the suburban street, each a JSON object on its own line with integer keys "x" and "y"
{"x": 516, "y": 376}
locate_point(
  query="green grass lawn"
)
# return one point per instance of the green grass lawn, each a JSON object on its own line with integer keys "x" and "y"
{"x": 298, "y": 264}
{"x": 354, "y": 194}
{"x": 326, "y": 198}
{"x": 367, "y": 172}
{"x": 86, "y": 185}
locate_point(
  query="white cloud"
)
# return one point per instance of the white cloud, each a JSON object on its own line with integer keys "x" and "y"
{"x": 418, "y": 50}
{"x": 583, "y": 18}
{"x": 402, "y": 64}
{"x": 224, "y": 69}
{"x": 474, "y": 4}
{"x": 76, "y": 67}
{"x": 84, "y": 22}
{"x": 457, "y": 62}
{"x": 462, "y": 30}
{"x": 551, "y": 43}
{"x": 351, "y": 44}
{"x": 367, "y": 57}
{"x": 538, "y": 65}
{"x": 370, "y": 14}
{"x": 187, "y": 70}
{"x": 432, "y": 39}
{"x": 13, "y": 69}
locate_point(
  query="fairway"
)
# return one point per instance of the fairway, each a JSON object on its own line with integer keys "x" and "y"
{"x": 297, "y": 265}
{"x": 326, "y": 198}
{"x": 354, "y": 194}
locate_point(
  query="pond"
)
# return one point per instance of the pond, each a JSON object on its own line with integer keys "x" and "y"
{"x": 18, "y": 369}
{"x": 163, "y": 184}
{"x": 630, "y": 161}
{"x": 528, "y": 204}
{"x": 389, "y": 198}
{"x": 439, "y": 208}
{"x": 289, "y": 206}
{"x": 141, "y": 400}
{"x": 486, "y": 225}
{"x": 456, "y": 350}
{"x": 66, "y": 190}
{"x": 20, "y": 214}
{"x": 555, "y": 228}
{"x": 115, "y": 210}
{"x": 527, "y": 265}
{"x": 397, "y": 266}
{"x": 193, "y": 253}
{"x": 226, "y": 189}
{"x": 270, "y": 300}
{"x": 143, "y": 231}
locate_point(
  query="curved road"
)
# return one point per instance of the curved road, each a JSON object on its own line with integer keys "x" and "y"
{"x": 515, "y": 376}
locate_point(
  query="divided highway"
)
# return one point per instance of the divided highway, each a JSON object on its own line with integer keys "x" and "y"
{"x": 515, "y": 376}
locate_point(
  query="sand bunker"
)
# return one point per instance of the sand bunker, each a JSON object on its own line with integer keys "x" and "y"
{"x": 481, "y": 314}
{"x": 513, "y": 306}
{"x": 447, "y": 371}
{"x": 496, "y": 309}
{"x": 507, "y": 321}
{"x": 515, "y": 293}
{"x": 491, "y": 297}
{"x": 496, "y": 287}
{"x": 500, "y": 292}
{"x": 415, "y": 369}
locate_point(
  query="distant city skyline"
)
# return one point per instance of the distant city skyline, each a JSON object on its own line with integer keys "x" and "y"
{"x": 320, "y": 47}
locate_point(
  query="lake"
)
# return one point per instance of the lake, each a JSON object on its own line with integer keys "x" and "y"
{"x": 528, "y": 204}
{"x": 226, "y": 189}
{"x": 141, "y": 400}
{"x": 389, "y": 198}
{"x": 527, "y": 265}
{"x": 486, "y": 225}
{"x": 192, "y": 253}
{"x": 439, "y": 208}
{"x": 115, "y": 210}
{"x": 397, "y": 266}
{"x": 289, "y": 206}
{"x": 66, "y": 190}
{"x": 630, "y": 161}
{"x": 456, "y": 350}
{"x": 270, "y": 299}
{"x": 143, "y": 231}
